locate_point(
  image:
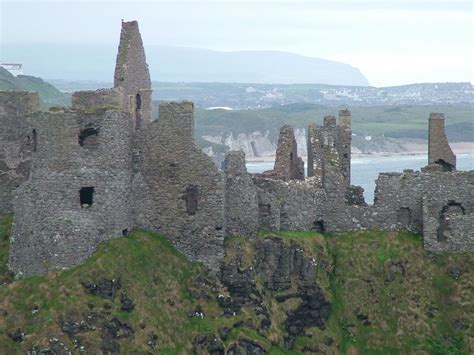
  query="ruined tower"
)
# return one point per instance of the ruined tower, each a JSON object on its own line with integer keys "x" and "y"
{"x": 185, "y": 191}
{"x": 439, "y": 151}
{"x": 132, "y": 84}
{"x": 132, "y": 76}
{"x": 344, "y": 144}
{"x": 288, "y": 166}
{"x": 78, "y": 193}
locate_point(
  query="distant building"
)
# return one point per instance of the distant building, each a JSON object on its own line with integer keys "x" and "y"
{"x": 13, "y": 68}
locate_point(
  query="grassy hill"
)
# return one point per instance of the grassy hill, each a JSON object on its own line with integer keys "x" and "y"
{"x": 47, "y": 93}
{"x": 390, "y": 121}
{"x": 137, "y": 294}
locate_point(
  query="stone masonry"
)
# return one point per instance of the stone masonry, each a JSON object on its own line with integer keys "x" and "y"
{"x": 17, "y": 142}
{"x": 78, "y": 194}
{"x": 288, "y": 166}
{"x": 181, "y": 188}
{"x": 439, "y": 151}
{"x": 241, "y": 198}
{"x": 132, "y": 83}
{"x": 80, "y": 176}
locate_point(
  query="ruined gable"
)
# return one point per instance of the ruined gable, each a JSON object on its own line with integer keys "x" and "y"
{"x": 132, "y": 76}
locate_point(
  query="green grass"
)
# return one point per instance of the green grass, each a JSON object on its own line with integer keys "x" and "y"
{"x": 354, "y": 273}
{"x": 5, "y": 225}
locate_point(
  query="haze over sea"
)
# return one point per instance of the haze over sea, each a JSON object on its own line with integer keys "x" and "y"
{"x": 365, "y": 170}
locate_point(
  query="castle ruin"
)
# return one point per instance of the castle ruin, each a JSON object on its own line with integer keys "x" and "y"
{"x": 77, "y": 177}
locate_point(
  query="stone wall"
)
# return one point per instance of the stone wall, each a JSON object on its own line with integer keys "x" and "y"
{"x": 78, "y": 194}
{"x": 185, "y": 192}
{"x": 17, "y": 141}
{"x": 132, "y": 75}
{"x": 399, "y": 196}
{"x": 241, "y": 200}
{"x": 439, "y": 151}
{"x": 89, "y": 99}
{"x": 301, "y": 203}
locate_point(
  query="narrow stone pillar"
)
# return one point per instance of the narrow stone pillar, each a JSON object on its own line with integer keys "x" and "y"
{"x": 344, "y": 144}
{"x": 287, "y": 166}
{"x": 439, "y": 151}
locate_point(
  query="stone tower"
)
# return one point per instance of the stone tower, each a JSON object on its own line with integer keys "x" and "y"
{"x": 344, "y": 144}
{"x": 78, "y": 193}
{"x": 439, "y": 151}
{"x": 132, "y": 76}
{"x": 288, "y": 166}
{"x": 324, "y": 157}
{"x": 184, "y": 197}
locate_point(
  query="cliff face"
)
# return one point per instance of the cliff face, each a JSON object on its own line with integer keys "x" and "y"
{"x": 298, "y": 292}
{"x": 256, "y": 143}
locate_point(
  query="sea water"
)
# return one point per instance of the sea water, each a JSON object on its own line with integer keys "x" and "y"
{"x": 365, "y": 170}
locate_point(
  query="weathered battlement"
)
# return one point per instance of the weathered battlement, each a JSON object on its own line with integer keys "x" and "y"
{"x": 110, "y": 98}
{"x": 439, "y": 151}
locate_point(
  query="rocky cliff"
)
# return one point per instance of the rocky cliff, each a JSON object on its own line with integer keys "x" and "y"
{"x": 292, "y": 292}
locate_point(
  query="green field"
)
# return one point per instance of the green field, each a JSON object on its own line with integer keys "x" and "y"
{"x": 390, "y": 121}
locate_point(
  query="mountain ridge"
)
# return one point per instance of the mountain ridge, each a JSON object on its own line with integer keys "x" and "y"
{"x": 169, "y": 63}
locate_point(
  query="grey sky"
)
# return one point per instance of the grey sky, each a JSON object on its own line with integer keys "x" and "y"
{"x": 391, "y": 42}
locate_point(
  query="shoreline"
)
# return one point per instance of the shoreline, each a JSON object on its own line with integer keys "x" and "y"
{"x": 458, "y": 148}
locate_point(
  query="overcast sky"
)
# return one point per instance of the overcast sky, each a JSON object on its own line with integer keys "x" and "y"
{"x": 391, "y": 42}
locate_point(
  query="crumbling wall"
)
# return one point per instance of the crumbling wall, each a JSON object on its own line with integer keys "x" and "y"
{"x": 185, "y": 198}
{"x": 89, "y": 99}
{"x": 17, "y": 141}
{"x": 327, "y": 162}
{"x": 288, "y": 166}
{"x": 448, "y": 224}
{"x": 301, "y": 203}
{"x": 315, "y": 153}
{"x": 132, "y": 75}
{"x": 268, "y": 211}
{"x": 439, "y": 151}
{"x": 241, "y": 201}
{"x": 78, "y": 194}
{"x": 399, "y": 196}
